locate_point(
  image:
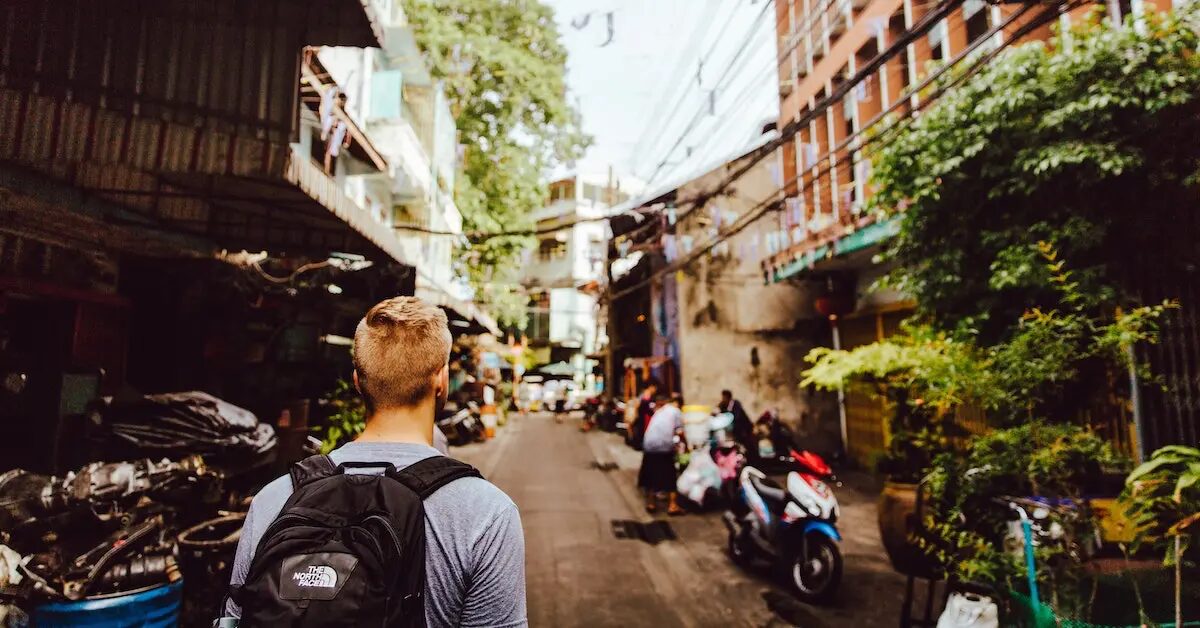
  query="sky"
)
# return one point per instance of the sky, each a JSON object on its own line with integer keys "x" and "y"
{"x": 638, "y": 93}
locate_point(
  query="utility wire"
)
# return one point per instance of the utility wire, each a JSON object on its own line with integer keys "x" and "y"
{"x": 926, "y": 23}
{"x": 699, "y": 32}
{"x": 754, "y": 26}
{"x": 920, "y": 28}
{"x": 773, "y": 202}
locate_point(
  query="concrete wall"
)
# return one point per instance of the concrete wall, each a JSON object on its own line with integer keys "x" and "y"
{"x": 736, "y": 332}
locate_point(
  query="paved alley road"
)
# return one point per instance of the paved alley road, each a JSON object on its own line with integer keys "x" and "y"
{"x": 579, "y": 574}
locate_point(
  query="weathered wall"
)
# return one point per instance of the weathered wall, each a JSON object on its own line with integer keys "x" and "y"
{"x": 737, "y": 333}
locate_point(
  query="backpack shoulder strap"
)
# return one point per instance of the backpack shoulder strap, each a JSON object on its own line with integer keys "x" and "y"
{"x": 426, "y": 476}
{"x": 310, "y": 469}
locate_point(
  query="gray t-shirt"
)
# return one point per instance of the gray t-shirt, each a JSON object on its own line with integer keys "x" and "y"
{"x": 474, "y": 546}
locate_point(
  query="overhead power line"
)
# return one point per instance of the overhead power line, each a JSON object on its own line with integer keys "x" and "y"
{"x": 699, "y": 32}
{"x": 926, "y": 23}
{"x": 773, "y": 201}
{"x": 750, "y": 38}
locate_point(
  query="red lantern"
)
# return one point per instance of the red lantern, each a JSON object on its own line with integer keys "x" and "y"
{"x": 833, "y": 305}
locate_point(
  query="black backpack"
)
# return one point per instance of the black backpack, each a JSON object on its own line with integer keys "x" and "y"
{"x": 348, "y": 549}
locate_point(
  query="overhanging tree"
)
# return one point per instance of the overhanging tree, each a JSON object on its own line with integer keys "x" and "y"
{"x": 1091, "y": 144}
{"x": 503, "y": 67}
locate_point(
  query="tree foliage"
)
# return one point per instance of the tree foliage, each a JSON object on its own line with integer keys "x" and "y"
{"x": 1091, "y": 144}
{"x": 503, "y": 68}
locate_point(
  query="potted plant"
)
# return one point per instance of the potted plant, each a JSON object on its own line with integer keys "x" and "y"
{"x": 1042, "y": 467}
{"x": 920, "y": 375}
{"x": 1162, "y": 499}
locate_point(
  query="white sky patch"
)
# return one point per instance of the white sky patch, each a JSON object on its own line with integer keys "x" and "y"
{"x": 650, "y": 67}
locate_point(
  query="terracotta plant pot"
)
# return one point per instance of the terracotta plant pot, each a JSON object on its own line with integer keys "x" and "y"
{"x": 897, "y": 522}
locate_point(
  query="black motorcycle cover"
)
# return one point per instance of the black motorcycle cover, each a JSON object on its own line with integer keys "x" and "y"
{"x": 185, "y": 423}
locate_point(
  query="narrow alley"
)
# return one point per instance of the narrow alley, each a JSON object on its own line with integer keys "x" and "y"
{"x": 580, "y": 574}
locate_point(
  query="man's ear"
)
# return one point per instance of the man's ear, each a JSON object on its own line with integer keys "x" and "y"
{"x": 357, "y": 386}
{"x": 443, "y": 380}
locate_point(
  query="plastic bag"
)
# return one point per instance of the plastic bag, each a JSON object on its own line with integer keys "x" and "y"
{"x": 969, "y": 610}
{"x": 700, "y": 475}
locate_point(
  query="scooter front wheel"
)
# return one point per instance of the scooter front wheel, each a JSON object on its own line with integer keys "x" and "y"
{"x": 814, "y": 577}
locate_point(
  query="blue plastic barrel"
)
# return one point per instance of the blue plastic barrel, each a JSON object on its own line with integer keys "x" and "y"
{"x": 157, "y": 607}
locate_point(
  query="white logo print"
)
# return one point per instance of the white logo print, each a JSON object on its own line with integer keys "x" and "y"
{"x": 322, "y": 576}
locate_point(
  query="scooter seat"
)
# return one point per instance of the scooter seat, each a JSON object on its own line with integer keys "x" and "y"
{"x": 769, "y": 489}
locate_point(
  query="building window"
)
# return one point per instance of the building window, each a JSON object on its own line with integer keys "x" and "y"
{"x": 562, "y": 190}
{"x": 937, "y": 38}
{"x": 551, "y": 249}
{"x": 594, "y": 193}
{"x": 975, "y": 14}
{"x": 1126, "y": 7}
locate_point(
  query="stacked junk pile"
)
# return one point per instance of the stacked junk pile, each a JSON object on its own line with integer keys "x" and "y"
{"x": 112, "y": 543}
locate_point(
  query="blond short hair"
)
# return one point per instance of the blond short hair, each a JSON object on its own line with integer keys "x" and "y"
{"x": 399, "y": 346}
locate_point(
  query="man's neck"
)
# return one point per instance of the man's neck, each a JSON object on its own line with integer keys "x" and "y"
{"x": 412, "y": 424}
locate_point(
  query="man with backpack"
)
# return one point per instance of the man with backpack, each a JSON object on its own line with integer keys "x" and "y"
{"x": 384, "y": 531}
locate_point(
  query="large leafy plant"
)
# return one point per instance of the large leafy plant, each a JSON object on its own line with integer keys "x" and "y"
{"x": 347, "y": 416}
{"x": 1091, "y": 143}
{"x": 928, "y": 375}
{"x": 1162, "y": 499}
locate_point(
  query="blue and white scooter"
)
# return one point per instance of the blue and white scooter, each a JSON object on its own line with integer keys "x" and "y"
{"x": 793, "y": 528}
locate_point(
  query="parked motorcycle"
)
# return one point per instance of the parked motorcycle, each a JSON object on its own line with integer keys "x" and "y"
{"x": 610, "y": 415}
{"x": 462, "y": 425}
{"x": 792, "y": 528}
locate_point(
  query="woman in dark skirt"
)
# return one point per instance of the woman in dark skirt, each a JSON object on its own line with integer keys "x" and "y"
{"x": 657, "y": 473}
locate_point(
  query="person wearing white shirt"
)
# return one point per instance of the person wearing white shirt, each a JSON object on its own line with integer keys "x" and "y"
{"x": 657, "y": 474}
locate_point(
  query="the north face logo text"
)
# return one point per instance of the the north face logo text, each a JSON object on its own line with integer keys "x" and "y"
{"x": 322, "y": 576}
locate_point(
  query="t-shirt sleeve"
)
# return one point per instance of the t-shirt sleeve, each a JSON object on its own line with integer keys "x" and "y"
{"x": 241, "y": 561}
{"x": 496, "y": 590}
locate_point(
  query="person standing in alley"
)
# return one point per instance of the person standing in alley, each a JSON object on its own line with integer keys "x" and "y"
{"x": 472, "y": 572}
{"x": 657, "y": 473}
{"x": 645, "y": 410}
{"x": 743, "y": 428}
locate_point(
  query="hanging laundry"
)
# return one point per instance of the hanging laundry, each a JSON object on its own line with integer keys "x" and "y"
{"x": 793, "y": 210}
{"x": 862, "y": 170}
{"x": 669, "y": 249}
{"x": 670, "y": 214}
{"x": 776, "y": 175}
{"x": 338, "y": 139}
{"x": 716, "y": 214}
{"x": 810, "y": 155}
{"x": 861, "y": 91}
{"x": 879, "y": 23}
{"x": 328, "y": 101}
